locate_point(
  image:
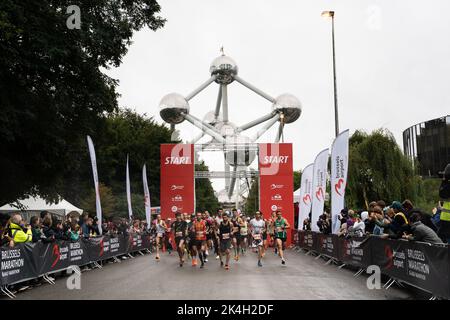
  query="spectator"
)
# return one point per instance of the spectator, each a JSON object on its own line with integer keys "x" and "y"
{"x": 324, "y": 223}
{"x": 84, "y": 225}
{"x": 399, "y": 223}
{"x": 94, "y": 230}
{"x": 5, "y": 239}
{"x": 407, "y": 206}
{"x": 381, "y": 204}
{"x": 420, "y": 232}
{"x": 370, "y": 221}
{"x": 75, "y": 231}
{"x": 18, "y": 231}
{"x": 36, "y": 229}
{"x": 307, "y": 224}
{"x": 47, "y": 228}
{"x": 358, "y": 227}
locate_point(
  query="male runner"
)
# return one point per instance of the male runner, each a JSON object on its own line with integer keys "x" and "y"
{"x": 257, "y": 228}
{"x": 209, "y": 234}
{"x": 225, "y": 234}
{"x": 179, "y": 228}
{"x": 281, "y": 225}
{"x": 243, "y": 234}
{"x": 160, "y": 231}
{"x": 236, "y": 221}
{"x": 199, "y": 226}
{"x": 271, "y": 230}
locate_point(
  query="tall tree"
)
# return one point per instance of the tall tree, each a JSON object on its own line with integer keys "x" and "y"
{"x": 52, "y": 89}
{"x": 205, "y": 198}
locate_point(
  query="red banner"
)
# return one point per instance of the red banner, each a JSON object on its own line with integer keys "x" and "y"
{"x": 177, "y": 179}
{"x": 276, "y": 181}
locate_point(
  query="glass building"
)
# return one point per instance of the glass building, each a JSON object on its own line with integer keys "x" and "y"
{"x": 427, "y": 144}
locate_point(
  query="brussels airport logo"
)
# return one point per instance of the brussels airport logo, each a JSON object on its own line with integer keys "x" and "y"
{"x": 319, "y": 194}
{"x": 175, "y": 187}
{"x": 73, "y": 282}
{"x": 56, "y": 255}
{"x": 307, "y": 199}
{"x": 274, "y": 186}
{"x": 338, "y": 186}
{"x": 389, "y": 256}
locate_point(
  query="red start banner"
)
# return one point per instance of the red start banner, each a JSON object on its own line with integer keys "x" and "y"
{"x": 177, "y": 179}
{"x": 276, "y": 181}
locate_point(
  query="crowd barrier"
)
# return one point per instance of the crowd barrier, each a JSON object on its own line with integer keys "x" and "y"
{"x": 31, "y": 260}
{"x": 418, "y": 264}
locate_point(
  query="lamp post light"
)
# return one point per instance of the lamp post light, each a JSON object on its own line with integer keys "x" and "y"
{"x": 330, "y": 14}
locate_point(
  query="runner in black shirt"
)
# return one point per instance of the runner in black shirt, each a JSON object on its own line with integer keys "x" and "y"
{"x": 179, "y": 228}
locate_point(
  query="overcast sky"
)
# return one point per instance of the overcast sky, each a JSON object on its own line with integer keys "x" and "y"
{"x": 393, "y": 64}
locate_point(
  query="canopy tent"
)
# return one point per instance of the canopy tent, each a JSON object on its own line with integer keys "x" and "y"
{"x": 34, "y": 205}
{"x": 297, "y": 195}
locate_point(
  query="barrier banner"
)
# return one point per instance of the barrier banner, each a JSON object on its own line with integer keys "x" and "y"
{"x": 307, "y": 240}
{"x": 418, "y": 264}
{"x": 327, "y": 244}
{"x": 17, "y": 264}
{"x": 106, "y": 247}
{"x": 59, "y": 255}
{"x": 351, "y": 253}
{"x": 177, "y": 179}
{"x": 275, "y": 181}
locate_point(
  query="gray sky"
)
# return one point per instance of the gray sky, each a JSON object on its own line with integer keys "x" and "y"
{"x": 393, "y": 64}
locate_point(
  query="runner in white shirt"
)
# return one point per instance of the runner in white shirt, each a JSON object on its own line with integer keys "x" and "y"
{"x": 257, "y": 228}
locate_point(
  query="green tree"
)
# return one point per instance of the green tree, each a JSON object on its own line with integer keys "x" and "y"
{"x": 297, "y": 179}
{"x": 205, "y": 198}
{"x": 107, "y": 200}
{"x": 52, "y": 88}
{"x": 378, "y": 170}
{"x": 252, "y": 201}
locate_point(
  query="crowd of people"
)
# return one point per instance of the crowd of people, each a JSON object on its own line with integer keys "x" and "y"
{"x": 399, "y": 220}
{"x": 223, "y": 234}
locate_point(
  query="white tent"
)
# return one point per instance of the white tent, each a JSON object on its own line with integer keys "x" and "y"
{"x": 297, "y": 195}
{"x": 33, "y": 206}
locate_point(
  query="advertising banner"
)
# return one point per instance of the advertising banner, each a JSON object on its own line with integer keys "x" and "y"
{"x": 130, "y": 209}
{"x": 98, "y": 206}
{"x": 327, "y": 244}
{"x": 177, "y": 179}
{"x": 147, "y": 203}
{"x": 319, "y": 187}
{"x": 355, "y": 251}
{"x": 339, "y": 169}
{"x": 17, "y": 264}
{"x": 305, "y": 194}
{"x": 276, "y": 181}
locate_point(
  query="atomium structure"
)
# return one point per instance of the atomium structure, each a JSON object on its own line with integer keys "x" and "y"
{"x": 238, "y": 149}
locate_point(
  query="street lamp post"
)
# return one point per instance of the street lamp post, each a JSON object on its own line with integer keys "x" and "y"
{"x": 330, "y": 14}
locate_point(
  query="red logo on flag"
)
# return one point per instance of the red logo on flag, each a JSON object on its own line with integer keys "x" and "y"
{"x": 306, "y": 198}
{"x": 101, "y": 247}
{"x": 338, "y": 186}
{"x": 319, "y": 193}
{"x": 390, "y": 256}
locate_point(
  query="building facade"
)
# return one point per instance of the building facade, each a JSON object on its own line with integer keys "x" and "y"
{"x": 427, "y": 144}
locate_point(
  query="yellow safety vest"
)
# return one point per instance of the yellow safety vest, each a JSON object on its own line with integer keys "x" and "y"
{"x": 445, "y": 211}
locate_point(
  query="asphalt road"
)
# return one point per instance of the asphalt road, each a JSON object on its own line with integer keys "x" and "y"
{"x": 303, "y": 277}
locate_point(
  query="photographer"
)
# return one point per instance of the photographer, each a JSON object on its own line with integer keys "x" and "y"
{"x": 18, "y": 231}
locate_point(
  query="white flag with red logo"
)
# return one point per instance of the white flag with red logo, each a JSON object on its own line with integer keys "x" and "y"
{"x": 305, "y": 194}
{"x": 146, "y": 197}
{"x": 339, "y": 167}
{"x": 98, "y": 206}
{"x": 130, "y": 210}
{"x": 319, "y": 187}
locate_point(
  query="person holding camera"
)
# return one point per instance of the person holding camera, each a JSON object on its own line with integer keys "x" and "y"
{"x": 444, "y": 208}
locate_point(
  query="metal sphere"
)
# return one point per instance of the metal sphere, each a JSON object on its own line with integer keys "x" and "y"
{"x": 226, "y": 129}
{"x": 238, "y": 151}
{"x": 224, "y": 68}
{"x": 209, "y": 117}
{"x": 171, "y": 108}
{"x": 289, "y": 105}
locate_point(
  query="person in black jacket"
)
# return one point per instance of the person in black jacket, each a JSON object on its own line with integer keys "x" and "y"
{"x": 420, "y": 232}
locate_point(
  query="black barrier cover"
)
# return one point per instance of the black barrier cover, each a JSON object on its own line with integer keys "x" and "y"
{"x": 327, "y": 244}
{"x": 307, "y": 239}
{"x": 31, "y": 260}
{"x": 351, "y": 253}
{"x": 418, "y": 264}
{"x": 17, "y": 264}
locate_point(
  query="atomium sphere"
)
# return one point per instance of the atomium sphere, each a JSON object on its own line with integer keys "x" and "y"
{"x": 209, "y": 117}
{"x": 238, "y": 151}
{"x": 172, "y": 107}
{"x": 228, "y": 129}
{"x": 289, "y": 105}
{"x": 224, "y": 68}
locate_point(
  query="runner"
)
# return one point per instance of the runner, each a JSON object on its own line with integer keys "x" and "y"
{"x": 243, "y": 234}
{"x": 257, "y": 227}
{"x": 179, "y": 228}
{"x": 281, "y": 225}
{"x": 199, "y": 246}
{"x": 191, "y": 240}
{"x": 271, "y": 231}
{"x": 225, "y": 234}
{"x": 209, "y": 234}
{"x": 235, "y": 221}
{"x": 160, "y": 231}
{"x": 168, "y": 236}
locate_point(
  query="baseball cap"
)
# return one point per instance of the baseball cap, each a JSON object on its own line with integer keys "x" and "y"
{"x": 396, "y": 205}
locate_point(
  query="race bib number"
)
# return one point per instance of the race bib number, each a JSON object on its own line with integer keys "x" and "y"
{"x": 160, "y": 235}
{"x": 226, "y": 236}
{"x": 179, "y": 234}
{"x": 279, "y": 229}
{"x": 257, "y": 236}
{"x": 199, "y": 233}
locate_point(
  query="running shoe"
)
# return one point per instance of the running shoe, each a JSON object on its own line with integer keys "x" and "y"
{"x": 221, "y": 263}
{"x": 194, "y": 262}
{"x": 227, "y": 267}
{"x": 259, "y": 263}
{"x": 217, "y": 257}
{"x": 283, "y": 261}
{"x": 202, "y": 265}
